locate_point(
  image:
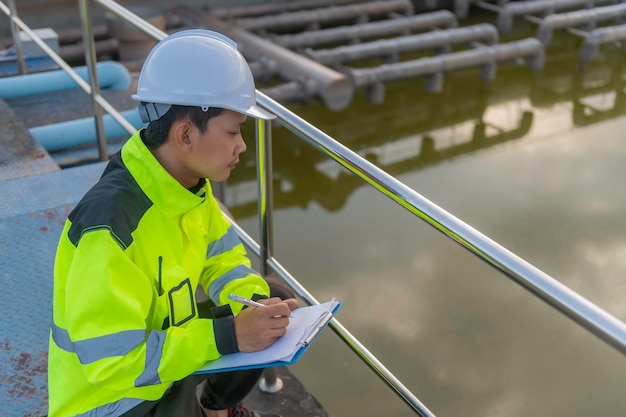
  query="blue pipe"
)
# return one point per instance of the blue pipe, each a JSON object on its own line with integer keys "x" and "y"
{"x": 111, "y": 75}
{"x": 63, "y": 135}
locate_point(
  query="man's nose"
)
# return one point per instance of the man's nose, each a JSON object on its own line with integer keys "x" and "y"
{"x": 241, "y": 147}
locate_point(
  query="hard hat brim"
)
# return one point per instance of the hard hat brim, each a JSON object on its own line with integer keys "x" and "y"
{"x": 259, "y": 113}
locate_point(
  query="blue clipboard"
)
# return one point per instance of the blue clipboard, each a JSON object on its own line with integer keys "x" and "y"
{"x": 305, "y": 326}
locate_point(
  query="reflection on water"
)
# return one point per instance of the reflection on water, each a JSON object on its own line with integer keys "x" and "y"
{"x": 534, "y": 161}
{"x": 409, "y": 133}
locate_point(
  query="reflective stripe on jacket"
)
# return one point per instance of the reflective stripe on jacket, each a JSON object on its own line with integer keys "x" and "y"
{"x": 129, "y": 260}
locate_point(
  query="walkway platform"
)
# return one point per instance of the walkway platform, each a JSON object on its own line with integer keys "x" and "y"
{"x": 32, "y": 213}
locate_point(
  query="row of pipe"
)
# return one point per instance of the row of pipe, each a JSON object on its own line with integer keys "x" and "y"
{"x": 307, "y": 78}
{"x": 336, "y": 89}
{"x": 77, "y": 132}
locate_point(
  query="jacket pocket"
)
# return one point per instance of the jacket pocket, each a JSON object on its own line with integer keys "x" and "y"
{"x": 182, "y": 303}
{"x": 176, "y": 296}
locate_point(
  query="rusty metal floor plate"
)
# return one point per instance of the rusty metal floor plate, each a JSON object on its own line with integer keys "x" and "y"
{"x": 20, "y": 154}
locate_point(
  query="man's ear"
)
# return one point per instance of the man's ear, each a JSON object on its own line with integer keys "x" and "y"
{"x": 181, "y": 131}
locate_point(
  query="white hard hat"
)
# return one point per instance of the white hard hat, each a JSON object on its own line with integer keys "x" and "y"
{"x": 196, "y": 67}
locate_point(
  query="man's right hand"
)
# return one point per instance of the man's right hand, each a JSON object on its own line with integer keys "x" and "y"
{"x": 258, "y": 328}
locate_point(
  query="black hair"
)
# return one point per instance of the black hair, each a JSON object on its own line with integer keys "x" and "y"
{"x": 157, "y": 131}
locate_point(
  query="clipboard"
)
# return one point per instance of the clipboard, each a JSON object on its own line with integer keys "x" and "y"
{"x": 305, "y": 326}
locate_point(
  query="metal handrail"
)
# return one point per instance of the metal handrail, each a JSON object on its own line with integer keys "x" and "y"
{"x": 573, "y": 305}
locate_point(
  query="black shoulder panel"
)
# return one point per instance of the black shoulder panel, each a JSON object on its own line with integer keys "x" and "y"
{"x": 116, "y": 203}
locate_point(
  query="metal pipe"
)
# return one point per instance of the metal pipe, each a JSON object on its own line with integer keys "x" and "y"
{"x": 269, "y": 8}
{"x": 456, "y": 60}
{"x": 591, "y": 317}
{"x": 510, "y": 10}
{"x": 63, "y": 65}
{"x": 326, "y": 15}
{"x": 292, "y": 91}
{"x": 113, "y": 76}
{"x": 579, "y": 17}
{"x": 598, "y": 37}
{"x": 385, "y": 47}
{"x": 62, "y": 135}
{"x": 334, "y": 88}
{"x": 17, "y": 42}
{"x": 440, "y": 19}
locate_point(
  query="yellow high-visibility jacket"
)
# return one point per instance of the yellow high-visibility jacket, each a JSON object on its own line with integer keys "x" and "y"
{"x": 131, "y": 255}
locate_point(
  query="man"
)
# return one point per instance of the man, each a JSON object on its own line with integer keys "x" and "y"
{"x": 127, "y": 332}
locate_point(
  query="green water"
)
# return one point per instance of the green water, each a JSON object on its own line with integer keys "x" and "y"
{"x": 534, "y": 161}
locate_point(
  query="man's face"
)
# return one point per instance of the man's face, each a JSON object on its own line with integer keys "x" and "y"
{"x": 216, "y": 151}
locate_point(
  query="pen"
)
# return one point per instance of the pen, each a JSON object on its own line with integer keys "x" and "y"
{"x": 246, "y": 301}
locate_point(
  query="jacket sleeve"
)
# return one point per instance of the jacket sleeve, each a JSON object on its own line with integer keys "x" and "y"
{"x": 108, "y": 303}
{"x": 227, "y": 267}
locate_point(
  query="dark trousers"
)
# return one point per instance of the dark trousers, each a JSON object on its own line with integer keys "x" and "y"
{"x": 218, "y": 391}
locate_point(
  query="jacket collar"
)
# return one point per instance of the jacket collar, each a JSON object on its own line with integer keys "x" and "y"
{"x": 160, "y": 187}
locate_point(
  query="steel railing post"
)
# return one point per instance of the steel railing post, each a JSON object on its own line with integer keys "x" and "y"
{"x": 17, "y": 42}
{"x": 90, "y": 59}
{"x": 269, "y": 382}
